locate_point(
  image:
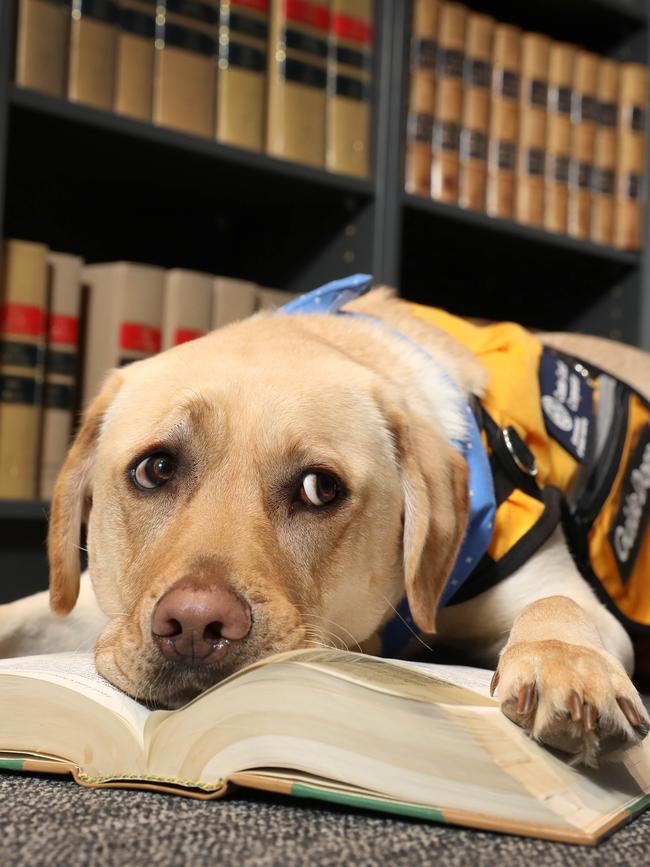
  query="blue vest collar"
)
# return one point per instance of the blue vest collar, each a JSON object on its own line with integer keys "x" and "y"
{"x": 398, "y": 632}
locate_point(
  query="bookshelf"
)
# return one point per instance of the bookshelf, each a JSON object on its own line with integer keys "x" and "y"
{"x": 106, "y": 187}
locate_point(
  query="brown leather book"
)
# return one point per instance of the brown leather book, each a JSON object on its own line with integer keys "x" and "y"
{"x": 583, "y": 138}
{"x": 504, "y": 121}
{"x": 60, "y": 391}
{"x": 633, "y": 99}
{"x": 349, "y": 81}
{"x": 42, "y": 45}
{"x": 531, "y": 149}
{"x": 603, "y": 184}
{"x": 295, "y": 128}
{"x": 124, "y": 318}
{"x": 476, "y": 111}
{"x": 187, "y": 306}
{"x": 135, "y": 53}
{"x": 232, "y": 300}
{"x": 558, "y": 135}
{"x": 93, "y": 44}
{"x": 421, "y": 97}
{"x": 22, "y": 354}
{"x": 448, "y": 115}
{"x": 241, "y": 81}
{"x": 185, "y": 66}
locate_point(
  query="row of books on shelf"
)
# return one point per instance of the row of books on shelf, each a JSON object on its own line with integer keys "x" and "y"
{"x": 525, "y": 128}
{"x": 64, "y": 324}
{"x": 291, "y": 77}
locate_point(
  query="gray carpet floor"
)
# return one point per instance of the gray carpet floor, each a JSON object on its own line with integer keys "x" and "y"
{"x": 50, "y": 821}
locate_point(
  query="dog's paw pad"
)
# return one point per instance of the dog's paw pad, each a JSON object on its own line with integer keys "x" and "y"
{"x": 575, "y": 699}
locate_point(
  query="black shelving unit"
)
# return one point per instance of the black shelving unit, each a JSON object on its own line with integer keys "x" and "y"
{"x": 106, "y": 187}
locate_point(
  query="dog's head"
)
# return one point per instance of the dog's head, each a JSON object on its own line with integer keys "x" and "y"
{"x": 270, "y": 486}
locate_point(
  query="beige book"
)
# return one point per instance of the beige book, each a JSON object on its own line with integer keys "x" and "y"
{"x": 187, "y": 306}
{"x": 421, "y": 97}
{"x": 349, "y": 81}
{"x": 633, "y": 105}
{"x": 42, "y": 45}
{"x": 241, "y": 81}
{"x": 533, "y": 98}
{"x": 93, "y": 43}
{"x": 558, "y": 135}
{"x": 232, "y": 300}
{"x": 603, "y": 185}
{"x": 297, "y": 77}
{"x": 124, "y": 318}
{"x": 583, "y": 139}
{"x": 445, "y": 163}
{"x": 421, "y": 740}
{"x": 504, "y": 121}
{"x": 476, "y": 111}
{"x": 185, "y": 66}
{"x": 135, "y": 53}
{"x": 22, "y": 350}
{"x": 61, "y": 357}
{"x": 272, "y": 299}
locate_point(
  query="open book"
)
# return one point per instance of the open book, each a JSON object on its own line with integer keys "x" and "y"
{"x": 411, "y": 738}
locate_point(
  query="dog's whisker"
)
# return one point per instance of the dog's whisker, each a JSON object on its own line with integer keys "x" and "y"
{"x": 338, "y": 626}
{"x": 407, "y": 624}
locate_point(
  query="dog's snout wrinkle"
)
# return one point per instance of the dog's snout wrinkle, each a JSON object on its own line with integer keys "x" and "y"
{"x": 193, "y": 625}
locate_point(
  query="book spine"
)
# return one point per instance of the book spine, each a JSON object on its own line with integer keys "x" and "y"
{"x": 42, "y": 45}
{"x": 59, "y": 393}
{"x": 583, "y": 137}
{"x": 232, "y": 300}
{"x": 295, "y": 127}
{"x": 477, "y": 76}
{"x": 134, "y": 63}
{"x": 185, "y": 66}
{"x": 241, "y": 80}
{"x": 531, "y": 150}
{"x": 445, "y": 163}
{"x": 93, "y": 40}
{"x": 604, "y": 175}
{"x": 558, "y": 136}
{"x": 186, "y": 308}
{"x": 633, "y": 98}
{"x": 421, "y": 98}
{"x": 349, "y": 71}
{"x": 22, "y": 350}
{"x": 504, "y": 121}
{"x": 124, "y": 318}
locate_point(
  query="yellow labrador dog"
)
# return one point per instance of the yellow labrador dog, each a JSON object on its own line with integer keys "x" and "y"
{"x": 284, "y": 482}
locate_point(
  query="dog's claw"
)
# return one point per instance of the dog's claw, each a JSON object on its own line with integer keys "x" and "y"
{"x": 629, "y": 710}
{"x": 527, "y": 699}
{"x": 494, "y": 682}
{"x": 575, "y": 706}
{"x": 590, "y": 716}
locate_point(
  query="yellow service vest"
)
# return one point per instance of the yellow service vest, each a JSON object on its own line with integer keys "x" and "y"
{"x": 589, "y": 435}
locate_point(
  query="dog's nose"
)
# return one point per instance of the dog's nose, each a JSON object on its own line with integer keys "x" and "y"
{"x": 194, "y": 625}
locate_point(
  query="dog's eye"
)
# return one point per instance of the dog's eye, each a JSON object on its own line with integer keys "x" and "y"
{"x": 153, "y": 471}
{"x": 319, "y": 489}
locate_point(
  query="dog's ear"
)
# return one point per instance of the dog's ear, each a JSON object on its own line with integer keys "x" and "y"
{"x": 71, "y": 502}
{"x": 436, "y": 508}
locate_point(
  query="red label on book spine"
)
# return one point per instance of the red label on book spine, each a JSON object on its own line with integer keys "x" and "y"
{"x": 307, "y": 13}
{"x": 63, "y": 329}
{"x": 257, "y": 5}
{"x": 184, "y": 335}
{"x": 22, "y": 320}
{"x": 139, "y": 338}
{"x": 354, "y": 29}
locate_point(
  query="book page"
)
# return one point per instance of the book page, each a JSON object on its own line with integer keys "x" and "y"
{"x": 475, "y": 679}
{"x": 77, "y": 672}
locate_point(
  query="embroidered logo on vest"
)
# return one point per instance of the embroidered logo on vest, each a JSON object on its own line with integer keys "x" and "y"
{"x": 629, "y": 526}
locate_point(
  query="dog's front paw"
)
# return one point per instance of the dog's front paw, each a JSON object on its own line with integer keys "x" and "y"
{"x": 574, "y": 698}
